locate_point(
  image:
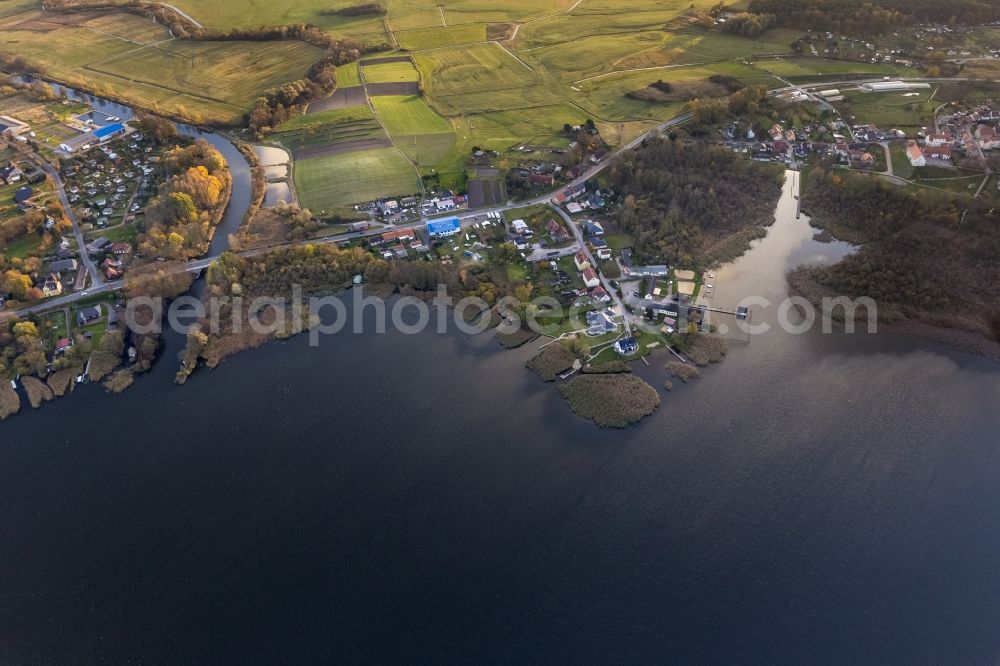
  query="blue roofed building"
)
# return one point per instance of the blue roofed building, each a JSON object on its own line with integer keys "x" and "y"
{"x": 446, "y": 227}
{"x": 109, "y": 131}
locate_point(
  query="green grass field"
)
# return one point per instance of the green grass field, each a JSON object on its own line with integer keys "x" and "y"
{"x": 347, "y": 75}
{"x": 252, "y": 14}
{"x": 336, "y": 180}
{"x": 201, "y": 81}
{"x": 889, "y": 109}
{"x": 391, "y": 72}
{"x": 438, "y": 37}
{"x": 568, "y": 62}
{"x": 408, "y": 114}
{"x": 476, "y": 68}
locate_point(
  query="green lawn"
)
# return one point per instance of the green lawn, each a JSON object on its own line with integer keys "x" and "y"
{"x": 336, "y": 180}
{"x": 23, "y": 246}
{"x": 888, "y": 110}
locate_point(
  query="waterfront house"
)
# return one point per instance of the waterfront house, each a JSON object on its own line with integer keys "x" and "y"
{"x": 627, "y": 346}
{"x": 658, "y": 270}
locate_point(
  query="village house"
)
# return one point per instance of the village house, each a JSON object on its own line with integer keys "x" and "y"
{"x": 51, "y": 286}
{"x": 581, "y": 261}
{"x": 541, "y": 179}
{"x": 519, "y": 227}
{"x": 988, "y": 138}
{"x": 10, "y": 174}
{"x": 600, "y": 295}
{"x": 590, "y": 279}
{"x": 97, "y": 245}
{"x": 89, "y": 315}
{"x": 627, "y": 346}
{"x": 397, "y": 235}
{"x": 120, "y": 248}
{"x": 557, "y": 231}
{"x": 937, "y": 139}
{"x": 63, "y": 266}
{"x": 941, "y": 153}
{"x": 914, "y": 154}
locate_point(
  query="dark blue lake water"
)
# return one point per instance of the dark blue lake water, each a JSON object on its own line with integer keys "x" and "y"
{"x": 424, "y": 498}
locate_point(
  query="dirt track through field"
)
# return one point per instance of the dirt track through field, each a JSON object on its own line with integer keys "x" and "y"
{"x": 385, "y": 60}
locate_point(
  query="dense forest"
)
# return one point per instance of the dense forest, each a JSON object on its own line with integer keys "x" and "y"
{"x": 875, "y": 16}
{"x": 692, "y": 204}
{"x": 925, "y": 256}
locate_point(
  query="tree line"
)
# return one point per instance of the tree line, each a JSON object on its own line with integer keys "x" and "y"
{"x": 875, "y": 16}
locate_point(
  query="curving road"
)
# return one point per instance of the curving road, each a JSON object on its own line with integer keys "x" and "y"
{"x": 53, "y": 174}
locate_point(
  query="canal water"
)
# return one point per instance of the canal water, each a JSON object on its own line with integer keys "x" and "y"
{"x": 814, "y": 498}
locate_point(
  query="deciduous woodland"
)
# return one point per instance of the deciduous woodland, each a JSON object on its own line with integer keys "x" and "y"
{"x": 181, "y": 219}
{"x": 692, "y": 204}
{"x": 926, "y": 257}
